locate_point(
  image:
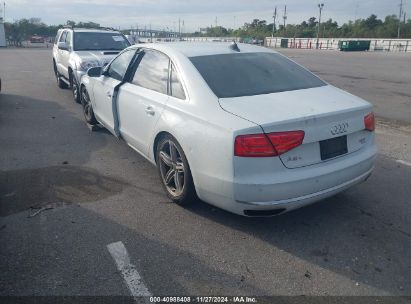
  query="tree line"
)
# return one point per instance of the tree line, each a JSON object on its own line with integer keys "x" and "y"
{"x": 371, "y": 27}
{"x": 21, "y": 30}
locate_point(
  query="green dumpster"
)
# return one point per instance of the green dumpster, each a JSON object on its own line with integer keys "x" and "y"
{"x": 284, "y": 43}
{"x": 354, "y": 45}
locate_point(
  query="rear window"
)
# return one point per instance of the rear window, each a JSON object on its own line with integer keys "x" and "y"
{"x": 247, "y": 74}
{"x": 99, "y": 41}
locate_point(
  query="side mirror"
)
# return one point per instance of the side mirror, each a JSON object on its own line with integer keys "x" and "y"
{"x": 94, "y": 72}
{"x": 62, "y": 46}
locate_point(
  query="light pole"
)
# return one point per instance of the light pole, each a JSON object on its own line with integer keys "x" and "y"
{"x": 399, "y": 21}
{"x": 274, "y": 17}
{"x": 320, "y": 6}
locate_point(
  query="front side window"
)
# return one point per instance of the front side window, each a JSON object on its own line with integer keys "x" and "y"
{"x": 119, "y": 66}
{"x": 56, "y": 40}
{"x": 152, "y": 72}
{"x": 248, "y": 74}
{"x": 176, "y": 86}
{"x": 94, "y": 41}
{"x": 63, "y": 36}
{"x": 68, "y": 39}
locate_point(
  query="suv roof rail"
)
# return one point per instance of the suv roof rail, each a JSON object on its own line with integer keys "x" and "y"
{"x": 102, "y": 28}
{"x": 109, "y": 29}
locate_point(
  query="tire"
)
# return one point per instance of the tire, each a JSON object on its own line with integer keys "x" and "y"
{"x": 60, "y": 83}
{"x": 75, "y": 88}
{"x": 172, "y": 165}
{"x": 87, "y": 107}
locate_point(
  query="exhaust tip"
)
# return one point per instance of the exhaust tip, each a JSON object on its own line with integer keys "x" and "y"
{"x": 264, "y": 213}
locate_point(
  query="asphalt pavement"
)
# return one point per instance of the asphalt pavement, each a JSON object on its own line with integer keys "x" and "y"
{"x": 67, "y": 194}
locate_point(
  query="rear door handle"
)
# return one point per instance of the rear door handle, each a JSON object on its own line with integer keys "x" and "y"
{"x": 150, "y": 111}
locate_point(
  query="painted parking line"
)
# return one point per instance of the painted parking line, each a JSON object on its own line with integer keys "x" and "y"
{"x": 403, "y": 162}
{"x": 129, "y": 272}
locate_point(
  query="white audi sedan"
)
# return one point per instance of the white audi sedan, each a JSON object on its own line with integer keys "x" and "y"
{"x": 238, "y": 126}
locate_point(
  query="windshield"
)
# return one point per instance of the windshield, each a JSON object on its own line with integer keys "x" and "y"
{"x": 99, "y": 41}
{"x": 247, "y": 74}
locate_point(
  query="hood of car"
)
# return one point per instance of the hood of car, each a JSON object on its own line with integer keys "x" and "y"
{"x": 102, "y": 57}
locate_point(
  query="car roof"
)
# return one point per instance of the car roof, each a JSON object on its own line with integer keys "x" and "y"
{"x": 90, "y": 30}
{"x": 193, "y": 49}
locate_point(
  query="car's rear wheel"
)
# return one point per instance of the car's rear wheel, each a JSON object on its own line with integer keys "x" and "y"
{"x": 87, "y": 107}
{"x": 75, "y": 88}
{"x": 174, "y": 171}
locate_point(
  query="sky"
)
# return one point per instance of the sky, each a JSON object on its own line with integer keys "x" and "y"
{"x": 164, "y": 14}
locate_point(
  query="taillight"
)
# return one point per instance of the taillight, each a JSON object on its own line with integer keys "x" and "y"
{"x": 369, "y": 122}
{"x": 254, "y": 145}
{"x": 267, "y": 145}
{"x": 286, "y": 141}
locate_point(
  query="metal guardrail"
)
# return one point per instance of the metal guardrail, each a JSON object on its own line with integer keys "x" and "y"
{"x": 389, "y": 45}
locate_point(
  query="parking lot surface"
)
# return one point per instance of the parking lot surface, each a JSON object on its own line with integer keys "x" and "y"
{"x": 68, "y": 194}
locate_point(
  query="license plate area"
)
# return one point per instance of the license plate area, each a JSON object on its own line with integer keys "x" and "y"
{"x": 333, "y": 147}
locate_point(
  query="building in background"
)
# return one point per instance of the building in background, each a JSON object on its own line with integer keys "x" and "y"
{"x": 2, "y": 31}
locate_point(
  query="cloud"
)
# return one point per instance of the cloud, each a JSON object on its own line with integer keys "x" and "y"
{"x": 195, "y": 13}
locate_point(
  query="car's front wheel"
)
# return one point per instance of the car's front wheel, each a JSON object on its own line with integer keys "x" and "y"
{"x": 87, "y": 107}
{"x": 174, "y": 171}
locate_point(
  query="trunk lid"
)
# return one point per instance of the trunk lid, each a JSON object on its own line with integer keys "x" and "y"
{"x": 322, "y": 113}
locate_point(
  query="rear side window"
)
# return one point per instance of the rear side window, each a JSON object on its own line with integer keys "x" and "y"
{"x": 176, "y": 86}
{"x": 152, "y": 72}
{"x": 247, "y": 74}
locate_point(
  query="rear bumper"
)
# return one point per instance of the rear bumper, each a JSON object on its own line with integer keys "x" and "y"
{"x": 290, "y": 189}
{"x": 298, "y": 202}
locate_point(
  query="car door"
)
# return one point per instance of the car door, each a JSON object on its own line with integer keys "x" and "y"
{"x": 142, "y": 100}
{"x": 103, "y": 88}
{"x": 65, "y": 54}
{"x": 60, "y": 55}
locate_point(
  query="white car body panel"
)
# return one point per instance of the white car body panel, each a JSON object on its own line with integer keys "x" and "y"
{"x": 102, "y": 97}
{"x": 137, "y": 107}
{"x": 206, "y": 128}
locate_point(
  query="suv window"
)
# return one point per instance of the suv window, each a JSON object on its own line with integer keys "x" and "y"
{"x": 119, "y": 66}
{"x": 63, "y": 37}
{"x": 57, "y": 37}
{"x": 94, "y": 41}
{"x": 176, "y": 87}
{"x": 68, "y": 39}
{"x": 152, "y": 72}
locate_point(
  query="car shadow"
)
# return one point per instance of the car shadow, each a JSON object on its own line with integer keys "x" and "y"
{"x": 363, "y": 233}
{"x": 43, "y": 151}
{"x": 58, "y": 185}
{"x": 69, "y": 257}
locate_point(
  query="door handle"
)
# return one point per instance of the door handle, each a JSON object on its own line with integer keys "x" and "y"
{"x": 108, "y": 94}
{"x": 150, "y": 111}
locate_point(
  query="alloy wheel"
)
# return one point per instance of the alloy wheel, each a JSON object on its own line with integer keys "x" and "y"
{"x": 87, "y": 108}
{"x": 172, "y": 168}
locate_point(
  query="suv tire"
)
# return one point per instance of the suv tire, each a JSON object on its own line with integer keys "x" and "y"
{"x": 75, "y": 88}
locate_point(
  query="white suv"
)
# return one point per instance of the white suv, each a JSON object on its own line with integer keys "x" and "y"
{"x": 76, "y": 50}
